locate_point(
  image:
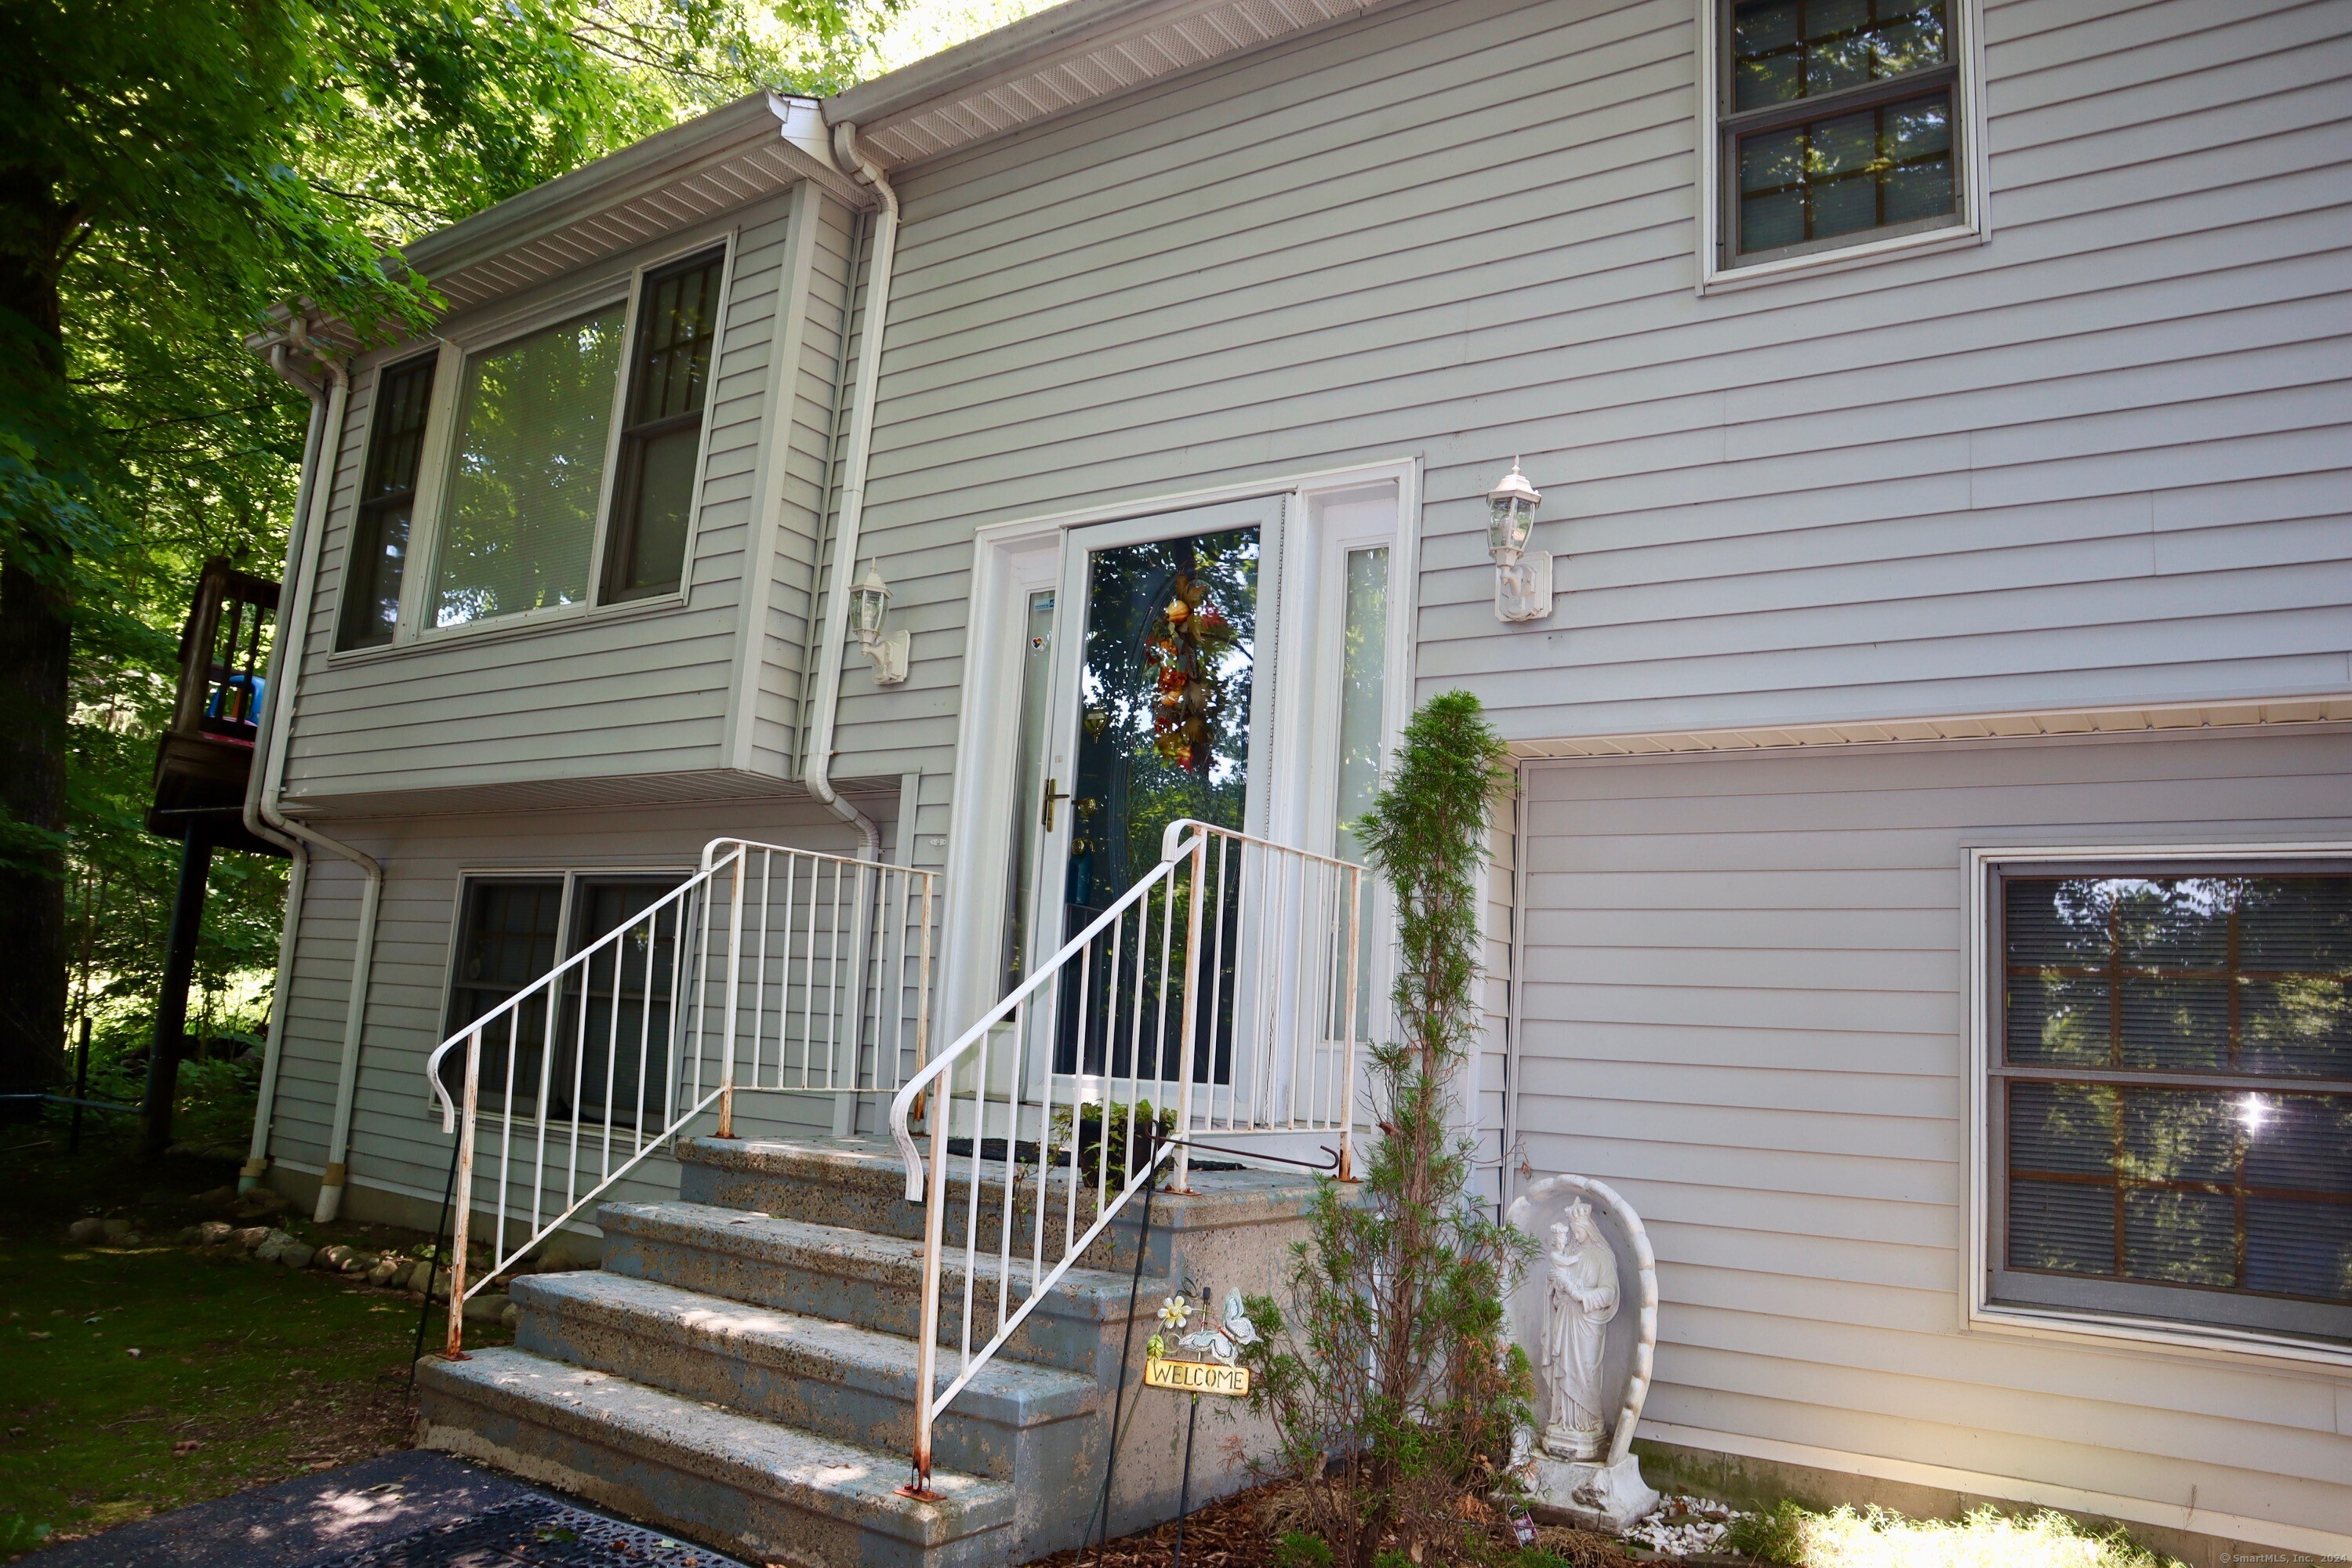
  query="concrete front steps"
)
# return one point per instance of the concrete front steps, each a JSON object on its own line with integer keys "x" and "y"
{"x": 745, "y": 1376}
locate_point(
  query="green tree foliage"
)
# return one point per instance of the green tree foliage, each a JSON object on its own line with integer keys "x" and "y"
{"x": 1389, "y": 1377}
{"x": 169, "y": 169}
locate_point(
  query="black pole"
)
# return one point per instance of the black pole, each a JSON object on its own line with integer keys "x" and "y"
{"x": 433, "y": 1264}
{"x": 81, "y": 1087}
{"x": 1127, "y": 1340}
{"x": 1184, "y": 1488}
{"x": 172, "y": 1003}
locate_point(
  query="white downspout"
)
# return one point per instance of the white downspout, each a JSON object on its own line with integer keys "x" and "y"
{"x": 835, "y": 632}
{"x": 263, "y": 819}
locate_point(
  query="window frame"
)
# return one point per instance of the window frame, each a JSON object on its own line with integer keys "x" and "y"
{"x": 617, "y": 533}
{"x": 363, "y": 504}
{"x": 573, "y": 879}
{"x": 1719, "y": 267}
{"x": 414, "y": 629}
{"x": 1987, "y": 867}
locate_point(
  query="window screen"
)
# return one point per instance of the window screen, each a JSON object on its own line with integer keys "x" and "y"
{"x": 669, "y": 377}
{"x": 527, "y": 471}
{"x": 2173, "y": 1097}
{"x": 379, "y": 552}
{"x": 1838, "y": 120}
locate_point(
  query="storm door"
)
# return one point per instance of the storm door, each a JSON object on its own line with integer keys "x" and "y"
{"x": 1160, "y": 713}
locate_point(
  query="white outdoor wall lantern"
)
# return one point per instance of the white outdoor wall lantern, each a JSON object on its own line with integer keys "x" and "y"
{"x": 1522, "y": 577}
{"x": 869, "y": 601}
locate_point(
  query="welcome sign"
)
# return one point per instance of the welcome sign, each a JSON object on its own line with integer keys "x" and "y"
{"x": 1195, "y": 1376}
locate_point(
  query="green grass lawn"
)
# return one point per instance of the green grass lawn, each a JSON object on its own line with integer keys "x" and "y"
{"x": 145, "y": 1377}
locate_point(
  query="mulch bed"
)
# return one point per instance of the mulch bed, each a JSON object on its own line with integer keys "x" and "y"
{"x": 1240, "y": 1531}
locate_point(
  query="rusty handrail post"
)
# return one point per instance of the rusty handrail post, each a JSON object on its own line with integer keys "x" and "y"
{"x": 463, "y": 1214}
{"x": 926, "y": 1347}
{"x": 1192, "y": 1013}
{"x": 734, "y": 981}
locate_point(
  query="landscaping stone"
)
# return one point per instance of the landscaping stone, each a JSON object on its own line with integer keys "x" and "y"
{"x": 490, "y": 1307}
{"x": 334, "y": 1256}
{"x": 212, "y": 1232}
{"x": 387, "y": 1270}
{"x": 251, "y": 1237}
{"x": 84, "y": 1231}
{"x": 118, "y": 1231}
{"x": 421, "y": 1274}
{"x": 295, "y": 1254}
{"x": 510, "y": 1317}
{"x": 358, "y": 1262}
{"x": 273, "y": 1245}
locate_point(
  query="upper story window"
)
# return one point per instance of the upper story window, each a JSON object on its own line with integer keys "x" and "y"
{"x": 379, "y": 550}
{"x": 556, "y": 467}
{"x": 2171, "y": 1095}
{"x": 526, "y": 472}
{"x": 670, "y": 381}
{"x": 1837, "y": 123}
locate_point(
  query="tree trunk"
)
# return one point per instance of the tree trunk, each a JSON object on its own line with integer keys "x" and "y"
{"x": 35, "y": 634}
{"x": 36, "y": 644}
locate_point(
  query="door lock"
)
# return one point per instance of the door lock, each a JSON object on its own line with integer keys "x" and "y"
{"x": 1052, "y": 795}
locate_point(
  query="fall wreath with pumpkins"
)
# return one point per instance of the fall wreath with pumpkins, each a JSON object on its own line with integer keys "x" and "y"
{"x": 1186, "y": 652}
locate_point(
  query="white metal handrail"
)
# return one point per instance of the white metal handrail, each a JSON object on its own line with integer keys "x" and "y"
{"x": 1245, "y": 1004}
{"x": 770, "y": 970}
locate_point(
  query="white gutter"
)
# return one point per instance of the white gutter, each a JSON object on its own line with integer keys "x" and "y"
{"x": 263, "y": 817}
{"x": 835, "y": 632}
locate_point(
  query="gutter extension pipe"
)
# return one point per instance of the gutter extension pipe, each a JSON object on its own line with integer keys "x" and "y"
{"x": 835, "y": 632}
{"x": 263, "y": 816}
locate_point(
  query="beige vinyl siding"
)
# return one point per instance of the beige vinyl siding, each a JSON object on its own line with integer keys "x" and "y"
{"x": 2097, "y": 460}
{"x": 396, "y": 1139}
{"x": 628, "y": 691}
{"x": 1745, "y": 1005}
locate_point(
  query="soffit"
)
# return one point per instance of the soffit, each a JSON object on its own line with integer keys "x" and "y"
{"x": 711, "y": 164}
{"x": 1058, "y": 60}
{"x": 1969, "y": 727}
{"x": 754, "y": 147}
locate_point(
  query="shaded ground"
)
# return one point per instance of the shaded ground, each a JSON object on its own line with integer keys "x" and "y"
{"x": 402, "y": 1511}
{"x": 142, "y": 1376}
{"x": 1242, "y": 1531}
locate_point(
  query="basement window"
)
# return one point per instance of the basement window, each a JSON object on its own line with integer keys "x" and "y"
{"x": 2170, "y": 1096}
{"x": 604, "y": 1046}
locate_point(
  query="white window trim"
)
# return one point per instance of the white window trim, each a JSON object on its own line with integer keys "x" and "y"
{"x": 2063, "y": 1323}
{"x": 414, "y": 630}
{"x": 1975, "y": 227}
{"x": 1006, "y": 564}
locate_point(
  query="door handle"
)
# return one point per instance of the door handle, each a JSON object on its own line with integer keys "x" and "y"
{"x": 1046, "y": 817}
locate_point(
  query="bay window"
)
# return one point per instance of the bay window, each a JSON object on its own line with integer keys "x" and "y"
{"x": 557, "y": 468}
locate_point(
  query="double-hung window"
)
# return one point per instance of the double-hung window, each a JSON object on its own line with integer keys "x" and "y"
{"x": 604, "y": 1047}
{"x": 2170, "y": 1095}
{"x": 379, "y": 548}
{"x": 557, "y": 469}
{"x": 1836, "y": 123}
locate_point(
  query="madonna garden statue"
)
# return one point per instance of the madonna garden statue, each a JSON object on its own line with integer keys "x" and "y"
{"x": 1592, "y": 1361}
{"x": 1582, "y": 1281}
